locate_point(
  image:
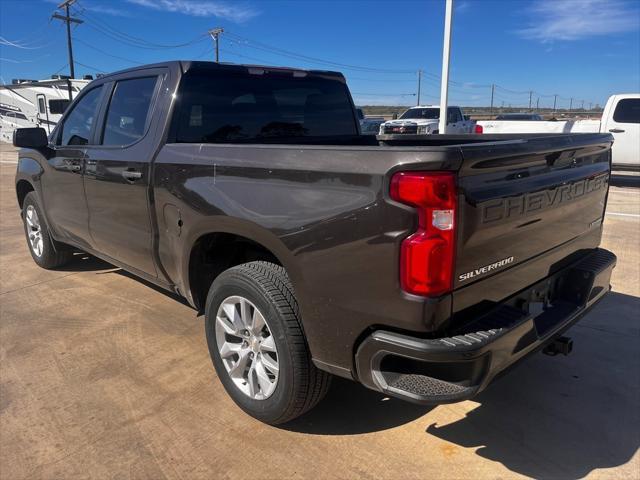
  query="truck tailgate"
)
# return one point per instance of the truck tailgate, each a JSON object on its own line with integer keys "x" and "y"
{"x": 536, "y": 201}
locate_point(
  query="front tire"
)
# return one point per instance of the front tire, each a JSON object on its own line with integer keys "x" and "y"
{"x": 257, "y": 345}
{"x": 45, "y": 251}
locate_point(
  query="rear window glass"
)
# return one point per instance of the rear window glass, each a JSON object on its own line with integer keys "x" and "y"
{"x": 240, "y": 107}
{"x": 128, "y": 111}
{"x": 627, "y": 111}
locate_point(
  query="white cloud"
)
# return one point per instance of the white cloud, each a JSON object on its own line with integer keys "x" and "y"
{"x": 462, "y": 6}
{"x": 202, "y": 8}
{"x": 93, "y": 7}
{"x": 556, "y": 20}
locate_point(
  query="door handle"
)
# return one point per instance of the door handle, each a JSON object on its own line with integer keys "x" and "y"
{"x": 132, "y": 175}
{"x": 616, "y": 130}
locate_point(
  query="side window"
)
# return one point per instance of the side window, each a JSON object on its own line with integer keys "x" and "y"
{"x": 41, "y": 106}
{"x": 128, "y": 111}
{"x": 76, "y": 129}
{"x": 627, "y": 111}
{"x": 453, "y": 115}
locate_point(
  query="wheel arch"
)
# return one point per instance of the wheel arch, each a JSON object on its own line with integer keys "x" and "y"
{"x": 23, "y": 188}
{"x": 215, "y": 251}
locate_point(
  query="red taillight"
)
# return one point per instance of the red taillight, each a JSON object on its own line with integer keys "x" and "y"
{"x": 427, "y": 256}
{"x": 478, "y": 129}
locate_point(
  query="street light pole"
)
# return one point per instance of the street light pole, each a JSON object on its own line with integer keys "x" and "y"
{"x": 446, "y": 50}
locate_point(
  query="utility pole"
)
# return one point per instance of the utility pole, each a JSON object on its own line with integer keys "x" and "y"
{"x": 215, "y": 35}
{"x": 68, "y": 20}
{"x": 538, "y": 104}
{"x": 590, "y": 103}
{"x": 419, "y": 84}
{"x": 570, "y": 104}
{"x": 493, "y": 89}
{"x": 530, "y": 97}
{"x": 582, "y": 107}
{"x": 555, "y": 99}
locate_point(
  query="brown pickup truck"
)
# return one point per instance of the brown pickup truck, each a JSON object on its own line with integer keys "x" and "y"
{"x": 420, "y": 266}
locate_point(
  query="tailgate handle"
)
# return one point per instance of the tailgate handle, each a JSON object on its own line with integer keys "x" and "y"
{"x": 616, "y": 130}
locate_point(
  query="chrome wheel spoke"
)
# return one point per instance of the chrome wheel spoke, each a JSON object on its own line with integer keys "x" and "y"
{"x": 263, "y": 378}
{"x": 34, "y": 232}
{"x": 226, "y": 325}
{"x": 238, "y": 368}
{"x": 270, "y": 364}
{"x": 229, "y": 349}
{"x": 244, "y": 314}
{"x": 268, "y": 344}
{"x": 252, "y": 383}
{"x": 233, "y": 316}
{"x": 257, "y": 322}
{"x": 247, "y": 347}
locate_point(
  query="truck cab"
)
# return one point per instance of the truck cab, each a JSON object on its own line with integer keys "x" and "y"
{"x": 423, "y": 120}
{"x": 621, "y": 118}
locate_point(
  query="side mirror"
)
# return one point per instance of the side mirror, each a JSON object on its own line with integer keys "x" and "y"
{"x": 395, "y": 116}
{"x": 30, "y": 138}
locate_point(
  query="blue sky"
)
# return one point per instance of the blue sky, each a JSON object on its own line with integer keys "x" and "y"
{"x": 585, "y": 49}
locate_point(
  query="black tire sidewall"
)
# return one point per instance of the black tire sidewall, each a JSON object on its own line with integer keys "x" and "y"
{"x": 234, "y": 282}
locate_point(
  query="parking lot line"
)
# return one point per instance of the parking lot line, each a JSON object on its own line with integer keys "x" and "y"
{"x": 616, "y": 214}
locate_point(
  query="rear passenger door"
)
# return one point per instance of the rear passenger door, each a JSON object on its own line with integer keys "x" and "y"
{"x": 117, "y": 175}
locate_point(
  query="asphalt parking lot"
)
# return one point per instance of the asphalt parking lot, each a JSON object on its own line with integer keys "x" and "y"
{"x": 104, "y": 376}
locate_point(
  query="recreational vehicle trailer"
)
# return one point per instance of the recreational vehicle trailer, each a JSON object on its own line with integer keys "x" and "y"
{"x": 35, "y": 103}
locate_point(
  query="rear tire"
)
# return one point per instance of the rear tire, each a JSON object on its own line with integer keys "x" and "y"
{"x": 262, "y": 290}
{"x": 45, "y": 251}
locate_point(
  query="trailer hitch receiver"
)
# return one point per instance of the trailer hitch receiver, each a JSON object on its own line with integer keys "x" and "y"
{"x": 562, "y": 345}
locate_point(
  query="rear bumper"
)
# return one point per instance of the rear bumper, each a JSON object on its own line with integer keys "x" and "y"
{"x": 445, "y": 370}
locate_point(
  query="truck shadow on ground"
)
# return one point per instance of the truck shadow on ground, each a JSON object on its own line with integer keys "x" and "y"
{"x": 83, "y": 262}
{"x": 351, "y": 409}
{"x": 564, "y": 417}
{"x": 550, "y": 417}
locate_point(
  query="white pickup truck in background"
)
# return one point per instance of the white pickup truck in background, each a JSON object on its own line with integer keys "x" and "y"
{"x": 621, "y": 117}
{"x": 423, "y": 120}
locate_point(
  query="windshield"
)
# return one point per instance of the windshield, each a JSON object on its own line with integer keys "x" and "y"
{"x": 431, "y": 113}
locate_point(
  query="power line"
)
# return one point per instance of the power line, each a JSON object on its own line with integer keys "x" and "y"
{"x": 298, "y": 56}
{"x": 108, "y": 54}
{"x": 106, "y": 29}
{"x": 95, "y": 69}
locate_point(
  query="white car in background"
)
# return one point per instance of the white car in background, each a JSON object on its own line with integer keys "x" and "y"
{"x": 620, "y": 117}
{"x": 423, "y": 120}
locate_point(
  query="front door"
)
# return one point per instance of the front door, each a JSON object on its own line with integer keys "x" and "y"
{"x": 625, "y": 127}
{"x": 117, "y": 177}
{"x": 62, "y": 185}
